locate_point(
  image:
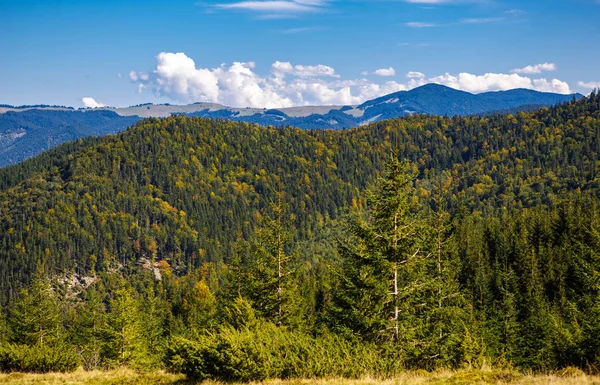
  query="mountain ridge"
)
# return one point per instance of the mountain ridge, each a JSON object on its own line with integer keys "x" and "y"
{"x": 26, "y": 131}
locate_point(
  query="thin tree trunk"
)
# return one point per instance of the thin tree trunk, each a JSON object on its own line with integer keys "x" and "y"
{"x": 123, "y": 343}
{"x": 439, "y": 262}
{"x": 396, "y": 311}
{"x": 279, "y": 252}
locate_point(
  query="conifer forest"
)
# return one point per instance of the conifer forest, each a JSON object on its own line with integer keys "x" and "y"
{"x": 230, "y": 251}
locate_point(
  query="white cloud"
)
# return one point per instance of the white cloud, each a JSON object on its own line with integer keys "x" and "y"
{"x": 418, "y": 24}
{"x": 535, "y": 69}
{"x": 177, "y": 77}
{"x": 553, "y": 85}
{"x": 482, "y": 20}
{"x": 286, "y": 68}
{"x": 295, "y": 31}
{"x": 414, "y": 45}
{"x": 428, "y": 1}
{"x": 373, "y": 90}
{"x": 312, "y": 2}
{"x": 415, "y": 75}
{"x": 364, "y": 73}
{"x": 499, "y": 82}
{"x": 444, "y": 1}
{"x": 276, "y": 7}
{"x": 590, "y": 85}
{"x": 385, "y": 72}
{"x": 91, "y": 103}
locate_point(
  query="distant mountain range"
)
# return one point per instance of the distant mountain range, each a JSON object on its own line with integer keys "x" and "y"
{"x": 26, "y": 131}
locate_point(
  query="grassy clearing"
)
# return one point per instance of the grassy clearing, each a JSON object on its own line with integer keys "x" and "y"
{"x": 462, "y": 377}
{"x": 96, "y": 377}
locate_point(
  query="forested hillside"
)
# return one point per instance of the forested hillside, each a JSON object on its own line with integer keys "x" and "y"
{"x": 26, "y": 131}
{"x": 24, "y": 134}
{"x": 478, "y": 242}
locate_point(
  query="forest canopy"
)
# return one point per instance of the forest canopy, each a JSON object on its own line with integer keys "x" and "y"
{"x": 417, "y": 242}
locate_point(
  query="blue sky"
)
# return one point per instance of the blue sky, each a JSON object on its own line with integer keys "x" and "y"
{"x": 289, "y": 52}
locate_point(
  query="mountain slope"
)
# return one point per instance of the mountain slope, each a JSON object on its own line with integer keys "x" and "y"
{"x": 186, "y": 190}
{"x": 435, "y": 99}
{"x": 25, "y": 132}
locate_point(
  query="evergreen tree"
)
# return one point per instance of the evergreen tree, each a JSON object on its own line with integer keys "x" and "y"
{"x": 235, "y": 289}
{"x": 125, "y": 343}
{"x": 239, "y": 314}
{"x": 443, "y": 306}
{"x": 199, "y": 306}
{"x": 382, "y": 277}
{"x": 89, "y": 328}
{"x": 35, "y": 317}
{"x": 266, "y": 271}
{"x": 154, "y": 312}
{"x": 3, "y": 328}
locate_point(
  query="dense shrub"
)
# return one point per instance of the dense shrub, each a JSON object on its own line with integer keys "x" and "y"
{"x": 37, "y": 359}
{"x": 266, "y": 351}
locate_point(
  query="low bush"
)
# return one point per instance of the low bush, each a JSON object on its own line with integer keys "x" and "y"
{"x": 266, "y": 351}
{"x": 37, "y": 359}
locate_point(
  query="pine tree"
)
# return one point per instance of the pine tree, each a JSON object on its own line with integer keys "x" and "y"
{"x": 153, "y": 314}
{"x": 443, "y": 311}
{"x": 236, "y": 282}
{"x": 199, "y": 306}
{"x": 382, "y": 277}
{"x": 125, "y": 343}
{"x": 271, "y": 287}
{"x": 35, "y": 318}
{"x": 89, "y": 328}
{"x": 3, "y": 328}
{"x": 263, "y": 273}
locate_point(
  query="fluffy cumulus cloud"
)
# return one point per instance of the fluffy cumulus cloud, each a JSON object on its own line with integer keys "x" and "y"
{"x": 385, "y": 72}
{"x": 589, "y": 85}
{"x": 535, "y": 69}
{"x": 177, "y": 77}
{"x": 91, "y": 103}
{"x": 499, "y": 82}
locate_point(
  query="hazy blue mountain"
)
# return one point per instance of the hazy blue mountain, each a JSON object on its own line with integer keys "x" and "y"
{"x": 432, "y": 99}
{"x": 25, "y": 134}
{"x": 435, "y": 99}
{"x": 26, "y": 131}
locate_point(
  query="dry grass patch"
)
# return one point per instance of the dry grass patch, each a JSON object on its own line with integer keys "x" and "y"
{"x": 96, "y": 377}
{"x": 461, "y": 377}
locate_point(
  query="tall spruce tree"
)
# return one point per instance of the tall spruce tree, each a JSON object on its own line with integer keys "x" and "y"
{"x": 125, "y": 342}
{"x": 382, "y": 279}
{"x": 263, "y": 272}
{"x": 443, "y": 319}
{"x": 90, "y": 325}
{"x": 35, "y": 317}
{"x": 154, "y": 312}
{"x": 272, "y": 286}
